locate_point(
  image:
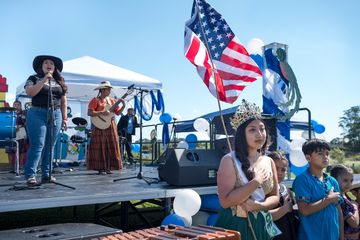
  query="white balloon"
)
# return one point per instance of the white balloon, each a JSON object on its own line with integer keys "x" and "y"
{"x": 201, "y": 125}
{"x": 254, "y": 46}
{"x": 177, "y": 117}
{"x": 305, "y": 134}
{"x": 183, "y": 144}
{"x": 187, "y": 203}
{"x": 297, "y": 158}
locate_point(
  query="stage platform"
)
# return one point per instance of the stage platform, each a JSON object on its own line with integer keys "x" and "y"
{"x": 90, "y": 188}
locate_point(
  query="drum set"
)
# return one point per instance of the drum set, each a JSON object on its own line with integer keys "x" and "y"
{"x": 76, "y": 145}
{"x": 8, "y": 132}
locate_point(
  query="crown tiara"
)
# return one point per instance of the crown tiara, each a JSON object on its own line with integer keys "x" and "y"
{"x": 244, "y": 112}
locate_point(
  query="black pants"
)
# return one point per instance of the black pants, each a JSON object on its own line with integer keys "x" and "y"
{"x": 128, "y": 145}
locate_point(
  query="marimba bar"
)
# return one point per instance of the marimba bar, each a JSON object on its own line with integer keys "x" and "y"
{"x": 172, "y": 232}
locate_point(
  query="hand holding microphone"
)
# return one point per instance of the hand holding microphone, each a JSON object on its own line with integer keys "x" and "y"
{"x": 48, "y": 76}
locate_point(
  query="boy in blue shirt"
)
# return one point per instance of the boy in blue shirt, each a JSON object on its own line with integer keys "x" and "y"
{"x": 318, "y": 196}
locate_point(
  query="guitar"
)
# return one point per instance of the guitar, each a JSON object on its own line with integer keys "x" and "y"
{"x": 104, "y": 121}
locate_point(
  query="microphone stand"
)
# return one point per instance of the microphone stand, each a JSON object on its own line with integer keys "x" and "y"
{"x": 140, "y": 175}
{"x": 51, "y": 119}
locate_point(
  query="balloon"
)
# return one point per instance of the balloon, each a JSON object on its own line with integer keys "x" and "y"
{"x": 165, "y": 118}
{"x": 210, "y": 201}
{"x": 191, "y": 140}
{"x": 201, "y": 125}
{"x": 183, "y": 144}
{"x": 200, "y": 217}
{"x": 297, "y": 158}
{"x": 298, "y": 170}
{"x": 314, "y": 123}
{"x": 173, "y": 219}
{"x": 135, "y": 147}
{"x": 212, "y": 219}
{"x": 319, "y": 128}
{"x": 187, "y": 220}
{"x": 254, "y": 46}
{"x": 177, "y": 117}
{"x": 305, "y": 134}
{"x": 187, "y": 203}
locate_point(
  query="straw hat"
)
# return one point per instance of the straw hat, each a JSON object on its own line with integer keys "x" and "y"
{"x": 38, "y": 60}
{"x": 103, "y": 84}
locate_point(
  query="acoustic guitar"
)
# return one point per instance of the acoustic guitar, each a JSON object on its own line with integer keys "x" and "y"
{"x": 104, "y": 121}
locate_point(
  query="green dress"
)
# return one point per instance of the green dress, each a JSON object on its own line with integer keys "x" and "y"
{"x": 261, "y": 222}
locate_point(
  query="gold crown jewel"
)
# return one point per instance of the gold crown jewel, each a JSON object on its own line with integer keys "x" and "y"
{"x": 244, "y": 112}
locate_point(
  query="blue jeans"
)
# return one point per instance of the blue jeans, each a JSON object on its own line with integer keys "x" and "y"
{"x": 38, "y": 125}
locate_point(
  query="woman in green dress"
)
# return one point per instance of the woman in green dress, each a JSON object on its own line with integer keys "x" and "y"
{"x": 247, "y": 182}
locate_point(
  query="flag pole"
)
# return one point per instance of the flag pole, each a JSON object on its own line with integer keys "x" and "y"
{"x": 214, "y": 75}
{"x": 221, "y": 114}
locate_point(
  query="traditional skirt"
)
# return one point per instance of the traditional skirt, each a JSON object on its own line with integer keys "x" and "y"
{"x": 227, "y": 220}
{"x": 104, "y": 150}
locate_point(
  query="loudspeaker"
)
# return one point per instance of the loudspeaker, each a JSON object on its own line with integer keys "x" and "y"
{"x": 182, "y": 167}
{"x": 222, "y": 144}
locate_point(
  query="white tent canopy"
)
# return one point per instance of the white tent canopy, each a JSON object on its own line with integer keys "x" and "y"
{"x": 83, "y": 74}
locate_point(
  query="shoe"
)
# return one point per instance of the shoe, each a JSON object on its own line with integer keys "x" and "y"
{"x": 101, "y": 172}
{"x": 31, "y": 181}
{"x": 108, "y": 172}
{"x": 48, "y": 179}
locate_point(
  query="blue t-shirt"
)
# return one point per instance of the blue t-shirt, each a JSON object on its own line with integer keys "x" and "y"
{"x": 323, "y": 224}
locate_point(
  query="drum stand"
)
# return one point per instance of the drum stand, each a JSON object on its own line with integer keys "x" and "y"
{"x": 140, "y": 175}
{"x": 16, "y": 167}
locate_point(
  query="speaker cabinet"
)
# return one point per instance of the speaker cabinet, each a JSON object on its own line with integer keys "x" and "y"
{"x": 182, "y": 167}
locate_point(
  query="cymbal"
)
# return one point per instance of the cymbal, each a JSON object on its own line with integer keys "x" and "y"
{"x": 79, "y": 121}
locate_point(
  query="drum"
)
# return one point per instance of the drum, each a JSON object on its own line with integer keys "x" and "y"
{"x": 8, "y": 125}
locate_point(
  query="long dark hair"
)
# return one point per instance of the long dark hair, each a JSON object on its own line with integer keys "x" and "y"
{"x": 56, "y": 75}
{"x": 241, "y": 148}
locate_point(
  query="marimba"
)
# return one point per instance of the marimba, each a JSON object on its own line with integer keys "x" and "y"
{"x": 172, "y": 232}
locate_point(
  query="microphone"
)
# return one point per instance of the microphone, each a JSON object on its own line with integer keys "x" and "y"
{"x": 51, "y": 73}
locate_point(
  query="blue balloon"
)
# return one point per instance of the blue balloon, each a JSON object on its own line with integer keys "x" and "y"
{"x": 210, "y": 201}
{"x": 314, "y": 123}
{"x": 212, "y": 219}
{"x": 191, "y": 140}
{"x": 298, "y": 170}
{"x": 135, "y": 148}
{"x": 173, "y": 219}
{"x": 259, "y": 60}
{"x": 165, "y": 118}
{"x": 319, "y": 128}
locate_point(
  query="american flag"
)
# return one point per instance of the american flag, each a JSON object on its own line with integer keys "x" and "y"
{"x": 207, "y": 33}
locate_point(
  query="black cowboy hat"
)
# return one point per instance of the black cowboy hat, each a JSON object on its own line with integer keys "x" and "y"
{"x": 79, "y": 121}
{"x": 38, "y": 60}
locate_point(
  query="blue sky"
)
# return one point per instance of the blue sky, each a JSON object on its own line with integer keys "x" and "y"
{"x": 147, "y": 37}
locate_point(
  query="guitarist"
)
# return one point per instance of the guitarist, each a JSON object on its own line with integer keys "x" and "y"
{"x": 104, "y": 150}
